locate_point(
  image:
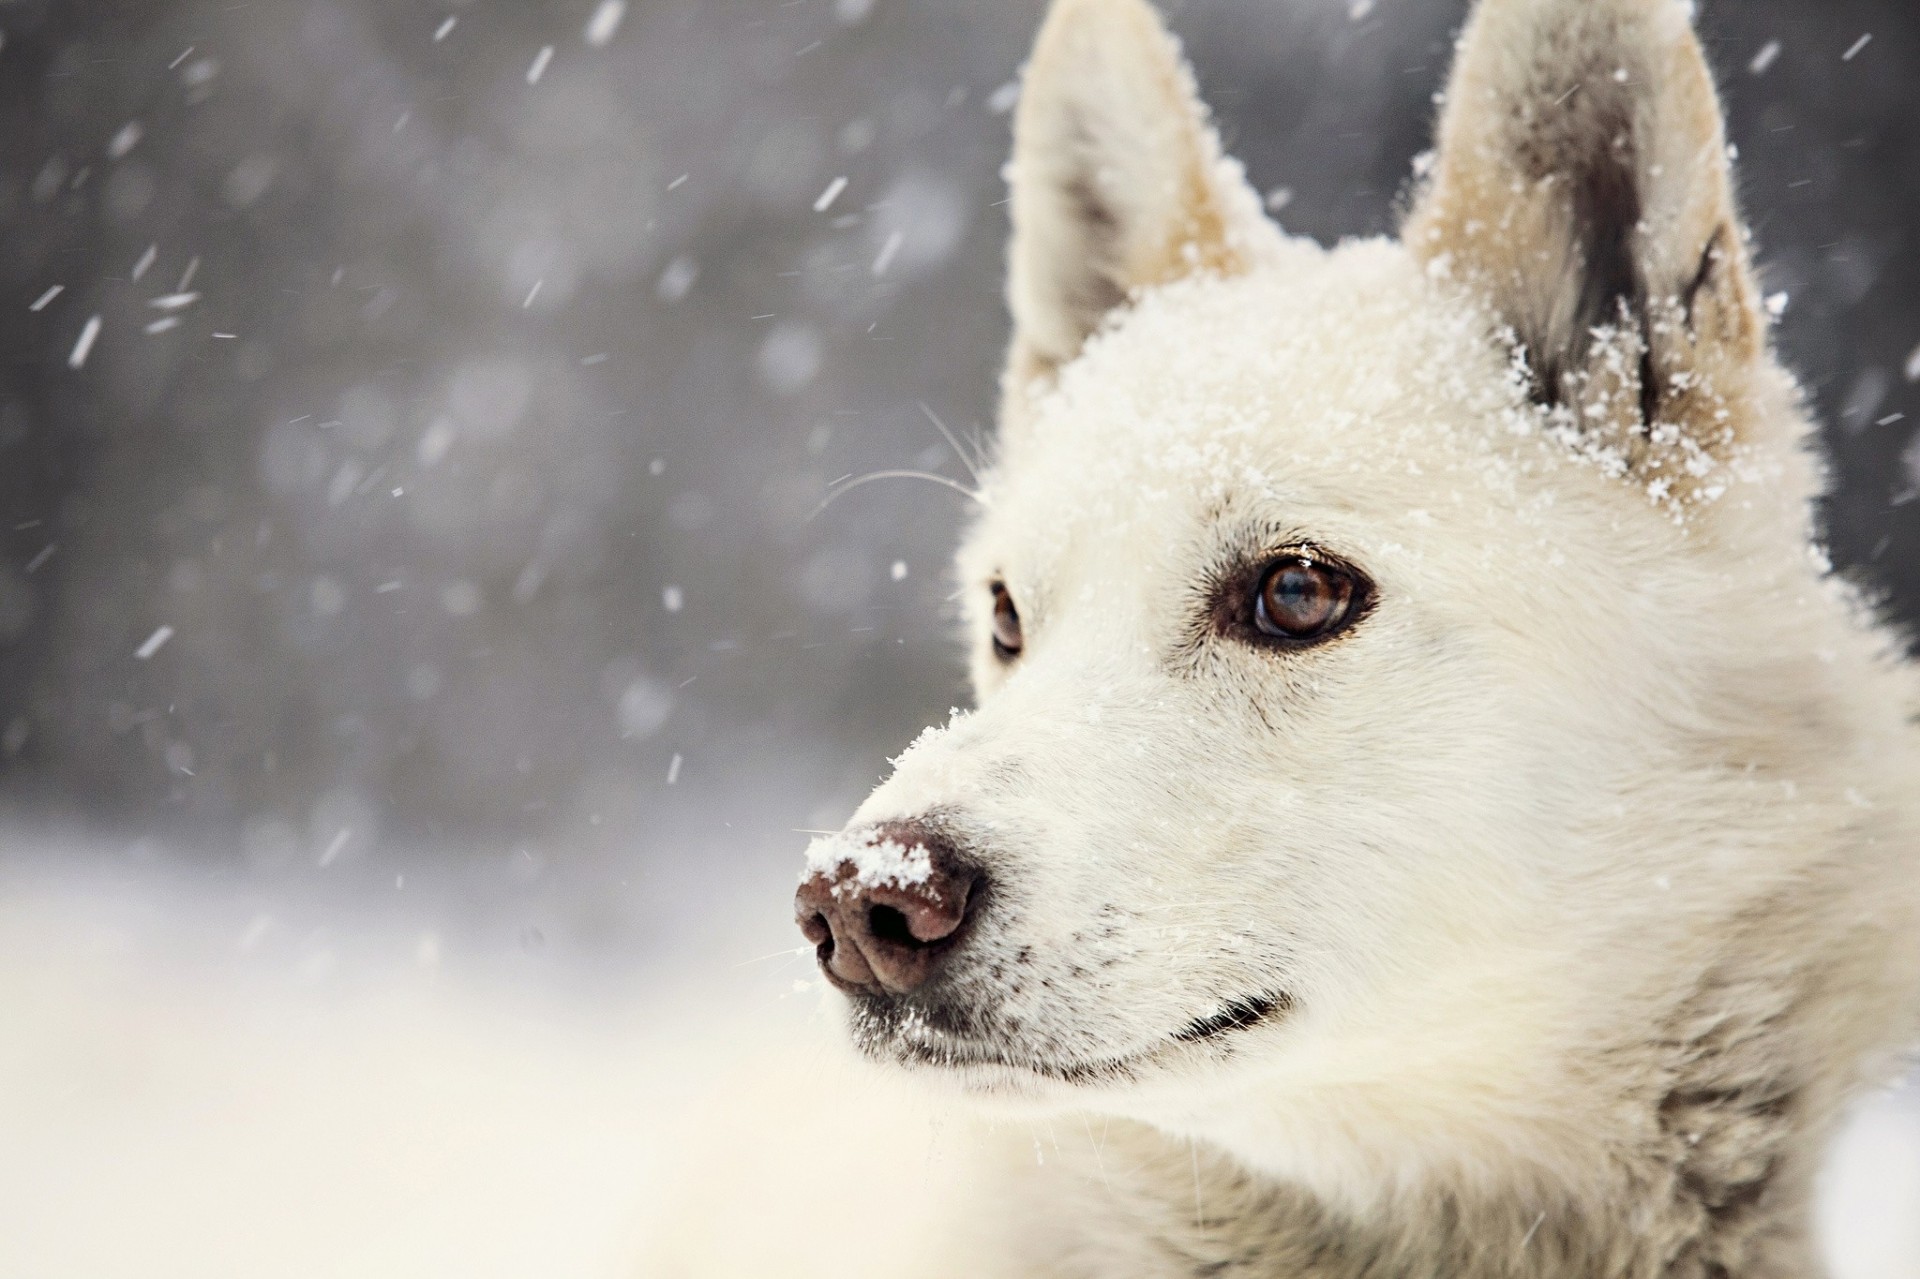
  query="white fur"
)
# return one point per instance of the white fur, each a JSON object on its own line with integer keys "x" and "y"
{"x": 1586, "y": 862}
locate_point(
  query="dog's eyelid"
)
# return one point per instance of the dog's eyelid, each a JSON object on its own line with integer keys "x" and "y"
{"x": 1254, "y": 555}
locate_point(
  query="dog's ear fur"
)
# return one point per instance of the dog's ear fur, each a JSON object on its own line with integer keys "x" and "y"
{"x": 1582, "y": 183}
{"x": 1117, "y": 179}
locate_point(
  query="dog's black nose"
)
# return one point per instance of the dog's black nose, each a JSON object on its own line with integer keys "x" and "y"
{"x": 888, "y": 914}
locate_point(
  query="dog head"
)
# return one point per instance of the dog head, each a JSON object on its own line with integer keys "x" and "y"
{"x": 1376, "y": 647}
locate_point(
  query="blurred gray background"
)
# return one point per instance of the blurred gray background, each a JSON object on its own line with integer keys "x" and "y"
{"x": 435, "y": 501}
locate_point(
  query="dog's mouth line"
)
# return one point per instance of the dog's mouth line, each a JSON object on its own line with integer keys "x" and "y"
{"x": 1238, "y": 1015}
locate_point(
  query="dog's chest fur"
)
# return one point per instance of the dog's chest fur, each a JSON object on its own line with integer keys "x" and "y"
{"x": 1150, "y": 1214}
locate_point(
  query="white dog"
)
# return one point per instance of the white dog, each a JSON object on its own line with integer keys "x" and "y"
{"x": 1431, "y": 810}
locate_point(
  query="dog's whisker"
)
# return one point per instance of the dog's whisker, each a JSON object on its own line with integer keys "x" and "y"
{"x": 792, "y": 953}
{"x": 969, "y": 463}
{"x": 873, "y": 476}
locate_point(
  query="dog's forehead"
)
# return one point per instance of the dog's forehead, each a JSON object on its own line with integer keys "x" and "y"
{"x": 1339, "y": 380}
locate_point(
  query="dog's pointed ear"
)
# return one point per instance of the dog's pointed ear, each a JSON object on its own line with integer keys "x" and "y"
{"x": 1117, "y": 179}
{"x": 1582, "y": 182}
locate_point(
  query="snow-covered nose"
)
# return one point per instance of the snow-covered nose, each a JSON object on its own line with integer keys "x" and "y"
{"x": 886, "y": 906}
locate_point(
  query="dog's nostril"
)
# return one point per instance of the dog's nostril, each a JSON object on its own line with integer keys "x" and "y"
{"x": 818, "y": 931}
{"x": 890, "y": 925}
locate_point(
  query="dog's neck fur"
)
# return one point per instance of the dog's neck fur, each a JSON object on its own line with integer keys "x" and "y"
{"x": 1704, "y": 1177}
{"x": 1206, "y": 1217}
{"x": 1704, "y": 1171}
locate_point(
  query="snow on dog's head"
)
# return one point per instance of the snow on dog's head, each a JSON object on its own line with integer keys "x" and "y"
{"x": 1401, "y": 668}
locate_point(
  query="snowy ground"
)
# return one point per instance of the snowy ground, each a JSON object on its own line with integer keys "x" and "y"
{"x": 191, "y": 1087}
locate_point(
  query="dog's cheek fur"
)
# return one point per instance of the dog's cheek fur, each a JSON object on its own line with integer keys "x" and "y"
{"x": 1099, "y": 941}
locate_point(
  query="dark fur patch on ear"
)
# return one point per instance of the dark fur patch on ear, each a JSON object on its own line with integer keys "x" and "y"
{"x": 1091, "y": 288}
{"x": 1709, "y": 264}
{"x": 1606, "y": 209}
{"x": 1597, "y": 163}
{"x": 1093, "y": 293}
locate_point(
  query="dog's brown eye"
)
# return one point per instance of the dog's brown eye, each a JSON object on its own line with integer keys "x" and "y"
{"x": 1007, "y": 640}
{"x": 1303, "y": 600}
